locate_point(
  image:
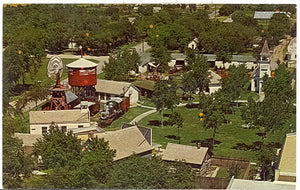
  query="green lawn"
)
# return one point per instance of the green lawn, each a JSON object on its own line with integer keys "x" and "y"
{"x": 127, "y": 117}
{"x": 230, "y": 138}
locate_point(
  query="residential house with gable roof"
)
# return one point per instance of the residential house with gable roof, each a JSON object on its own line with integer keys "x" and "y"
{"x": 128, "y": 141}
{"x": 65, "y": 119}
{"x": 196, "y": 156}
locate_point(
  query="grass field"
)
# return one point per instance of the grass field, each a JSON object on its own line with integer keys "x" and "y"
{"x": 126, "y": 118}
{"x": 232, "y": 140}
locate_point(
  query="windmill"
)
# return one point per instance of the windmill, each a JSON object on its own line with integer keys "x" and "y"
{"x": 55, "y": 70}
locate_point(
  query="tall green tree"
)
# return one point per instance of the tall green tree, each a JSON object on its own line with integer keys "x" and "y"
{"x": 95, "y": 165}
{"x": 120, "y": 64}
{"x": 164, "y": 95}
{"x": 213, "y": 116}
{"x": 58, "y": 149}
{"x": 136, "y": 172}
{"x": 277, "y": 106}
{"x": 279, "y": 26}
{"x": 237, "y": 79}
{"x": 15, "y": 162}
{"x": 197, "y": 78}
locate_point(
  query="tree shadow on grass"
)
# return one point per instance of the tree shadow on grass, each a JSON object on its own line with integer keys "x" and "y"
{"x": 191, "y": 106}
{"x": 253, "y": 147}
{"x": 206, "y": 142}
{"x": 173, "y": 137}
{"x": 154, "y": 123}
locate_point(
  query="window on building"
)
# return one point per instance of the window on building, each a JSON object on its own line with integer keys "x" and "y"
{"x": 83, "y": 72}
{"x": 44, "y": 130}
{"x": 64, "y": 129}
{"x": 80, "y": 126}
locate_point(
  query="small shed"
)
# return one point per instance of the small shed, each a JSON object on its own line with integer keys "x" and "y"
{"x": 193, "y": 155}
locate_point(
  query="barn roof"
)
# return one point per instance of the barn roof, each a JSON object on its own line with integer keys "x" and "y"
{"x": 126, "y": 142}
{"x": 112, "y": 87}
{"x": 59, "y": 116}
{"x": 28, "y": 139}
{"x": 188, "y": 154}
{"x": 82, "y": 63}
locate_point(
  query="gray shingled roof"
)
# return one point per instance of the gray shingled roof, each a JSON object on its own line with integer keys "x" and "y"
{"x": 185, "y": 153}
{"x": 265, "y": 50}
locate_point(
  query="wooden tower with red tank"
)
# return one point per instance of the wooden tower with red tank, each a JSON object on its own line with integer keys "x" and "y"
{"x": 83, "y": 78}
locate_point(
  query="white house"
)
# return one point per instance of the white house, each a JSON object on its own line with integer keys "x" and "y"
{"x": 65, "y": 119}
{"x": 215, "y": 82}
{"x": 106, "y": 89}
{"x": 262, "y": 69}
{"x": 292, "y": 50}
{"x": 193, "y": 44}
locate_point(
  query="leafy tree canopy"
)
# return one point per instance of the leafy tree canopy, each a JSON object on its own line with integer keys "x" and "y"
{"x": 137, "y": 172}
{"x": 57, "y": 148}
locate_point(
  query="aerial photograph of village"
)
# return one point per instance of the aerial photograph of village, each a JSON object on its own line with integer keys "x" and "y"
{"x": 149, "y": 96}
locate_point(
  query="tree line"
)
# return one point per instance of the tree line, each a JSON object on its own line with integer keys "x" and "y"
{"x": 69, "y": 163}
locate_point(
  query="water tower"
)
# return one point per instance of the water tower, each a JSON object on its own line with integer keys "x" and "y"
{"x": 58, "y": 99}
{"x": 83, "y": 78}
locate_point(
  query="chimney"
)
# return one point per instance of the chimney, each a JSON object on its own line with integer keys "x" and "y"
{"x": 91, "y": 134}
{"x": 198, "y": 145}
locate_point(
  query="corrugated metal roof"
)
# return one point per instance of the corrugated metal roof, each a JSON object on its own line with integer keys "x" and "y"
{"x": 263, "y": 14}
{"x": 243, "y": 58}
{"x": 70, "y": 96}
{"x": 82, "y": 63}
{"x": 59, "y": 116}
{"x": 188, "y": 154}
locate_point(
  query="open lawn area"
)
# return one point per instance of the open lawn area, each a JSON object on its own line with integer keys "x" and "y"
{"x": 126, "y": 118}
{"x": 232, "y": 140}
